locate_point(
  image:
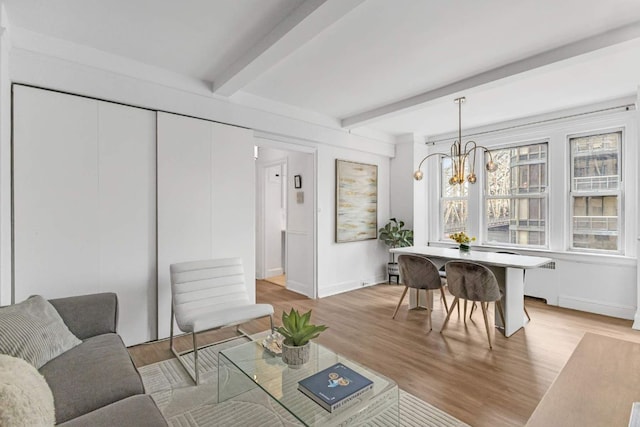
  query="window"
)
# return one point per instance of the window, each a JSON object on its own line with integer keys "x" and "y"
{"x": 596, "y": 191}
{"x": 515, "y": 196}
{"x": 453, "y": 201}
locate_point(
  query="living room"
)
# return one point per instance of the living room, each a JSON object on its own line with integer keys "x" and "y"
{"x": 361, "y": 81}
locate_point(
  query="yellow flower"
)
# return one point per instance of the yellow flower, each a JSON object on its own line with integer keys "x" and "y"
{"x": 461, "y": 237}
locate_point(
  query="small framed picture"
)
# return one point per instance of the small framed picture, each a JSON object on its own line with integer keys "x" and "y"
{"x": 297, "y": 181}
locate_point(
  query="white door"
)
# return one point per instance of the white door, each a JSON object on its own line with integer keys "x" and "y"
{"x": 274, "y": 219}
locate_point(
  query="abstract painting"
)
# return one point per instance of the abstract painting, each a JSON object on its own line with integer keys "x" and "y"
{"x": 356, "y": 201}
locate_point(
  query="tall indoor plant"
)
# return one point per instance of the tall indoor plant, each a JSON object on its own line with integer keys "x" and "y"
{"x": 395, "y": 236}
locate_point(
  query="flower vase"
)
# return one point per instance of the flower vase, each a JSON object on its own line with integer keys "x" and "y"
{"x": 464, "y": 247}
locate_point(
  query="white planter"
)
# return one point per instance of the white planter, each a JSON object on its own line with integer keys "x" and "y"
{"x": 393, "y": 269}
{"x": 294, "y": 356}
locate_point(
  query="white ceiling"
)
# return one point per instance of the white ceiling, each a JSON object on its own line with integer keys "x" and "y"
{"x": 393, "y": 66}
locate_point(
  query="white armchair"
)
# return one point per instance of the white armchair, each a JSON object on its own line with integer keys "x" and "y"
{"x": 210, "y": 294}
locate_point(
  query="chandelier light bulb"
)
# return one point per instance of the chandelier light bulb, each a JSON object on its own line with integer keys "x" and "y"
{"x": 418, "y": 175}
{"x": 491, "y": 166}
{"x": 472, "y": 178}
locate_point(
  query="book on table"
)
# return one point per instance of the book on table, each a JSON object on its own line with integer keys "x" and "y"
{"x": 335, "y": 386}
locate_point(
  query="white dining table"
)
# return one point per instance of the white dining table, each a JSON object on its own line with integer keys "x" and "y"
{"x": 509, "y": 271}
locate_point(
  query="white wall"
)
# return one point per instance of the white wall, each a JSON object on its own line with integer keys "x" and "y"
{"x": 346, "y": 266}
{"x": 401, "y": 181}
{"x": 604, "y": 284}
{"x": 53, "y": 64}
{"x": 5, "y": 161}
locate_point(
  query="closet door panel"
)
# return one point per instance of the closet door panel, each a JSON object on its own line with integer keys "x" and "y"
{"x": 127, "y": 212}
{"x": 233, "y": 194}
{"x": 55, "y": 178}
{"x": 184, "y": 200}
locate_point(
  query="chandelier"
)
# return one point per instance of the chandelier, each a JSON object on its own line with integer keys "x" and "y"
{"x": 458, "y": 157}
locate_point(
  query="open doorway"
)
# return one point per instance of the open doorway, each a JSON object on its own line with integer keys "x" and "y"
{"x": 285, "y": 219}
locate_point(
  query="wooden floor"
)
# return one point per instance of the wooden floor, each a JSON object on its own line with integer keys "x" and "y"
{"x": 454, "y": 371}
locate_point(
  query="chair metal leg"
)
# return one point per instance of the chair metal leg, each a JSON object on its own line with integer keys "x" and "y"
{"x": 195, "y": 358}
{"x": 526, "y": 312}
{"x": 446, "y": 320}
{"x": 473, "y": 307}
{"x": 486, "y": 323}
{"x": 444, "y": 299}
{"x": 171, "y": 328}
{"x": 271, "y": 322}
{"x": 406, "y": 288}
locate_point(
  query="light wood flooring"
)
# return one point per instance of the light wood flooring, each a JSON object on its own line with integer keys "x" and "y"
{"x": 455, "y": 371}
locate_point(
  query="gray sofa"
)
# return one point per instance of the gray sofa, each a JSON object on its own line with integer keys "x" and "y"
{"x": 96, "y": 382}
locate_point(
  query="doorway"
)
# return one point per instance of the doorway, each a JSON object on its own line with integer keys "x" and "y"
{"x": 286, "y": 218}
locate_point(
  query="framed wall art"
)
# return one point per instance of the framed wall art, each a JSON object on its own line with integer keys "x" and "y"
{"x": 356, "y": 201}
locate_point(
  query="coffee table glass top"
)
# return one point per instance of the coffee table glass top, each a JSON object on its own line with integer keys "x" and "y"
{"x": 249, "y": 365}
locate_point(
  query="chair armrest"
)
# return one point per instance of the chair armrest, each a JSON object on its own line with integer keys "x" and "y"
{"x": 89, "y": 315}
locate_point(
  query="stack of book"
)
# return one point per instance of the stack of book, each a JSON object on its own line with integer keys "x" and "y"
{"x": 335, "y": 386}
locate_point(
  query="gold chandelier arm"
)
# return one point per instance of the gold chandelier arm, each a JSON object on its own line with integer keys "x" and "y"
{"x": 431, "y": 155}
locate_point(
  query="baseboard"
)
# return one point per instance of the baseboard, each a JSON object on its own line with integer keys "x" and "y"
{"x": 274, "y": 272}
{"x": 350, "y": 285}
{"x": 598, "y": 307}
{"x": 298, "y": 287}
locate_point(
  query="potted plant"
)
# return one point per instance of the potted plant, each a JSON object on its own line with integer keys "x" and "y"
{"x": 463, "y": 240}
{"x": 297, "y": 332}
{"x": 395, "y": 236}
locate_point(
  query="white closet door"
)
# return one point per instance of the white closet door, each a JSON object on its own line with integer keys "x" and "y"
{"x": 55, "y": 181}
{"x": 84, "y": 203}
{"x": 127, "y": 216}
{"x": 184, "y": 200}
{"x": 234, "y": 198}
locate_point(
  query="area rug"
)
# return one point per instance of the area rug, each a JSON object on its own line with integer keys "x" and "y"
{"x": 185, "y": 405}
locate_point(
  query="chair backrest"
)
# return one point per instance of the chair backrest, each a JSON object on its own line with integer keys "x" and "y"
{"x": 418, "y": 272}
{"x": 472, "y": 281}
{"x": 214, "y": 284}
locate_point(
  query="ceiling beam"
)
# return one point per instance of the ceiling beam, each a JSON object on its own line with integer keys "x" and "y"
{"x": 606, "y": 39}
{"x": 303, "y": 24}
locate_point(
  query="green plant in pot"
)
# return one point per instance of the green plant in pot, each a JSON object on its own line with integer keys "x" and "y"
{"x": 395, "y": 236}
{"x": 297, "y": 332}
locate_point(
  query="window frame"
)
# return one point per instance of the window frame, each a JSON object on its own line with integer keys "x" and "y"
{"x": 442, "y": 199}
{"x": 619, "y": 193}
{"x": 543, "y": 196}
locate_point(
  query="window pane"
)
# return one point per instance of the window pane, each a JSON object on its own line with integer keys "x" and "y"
{"x": 595, "y": 222}
{"x": 454, "y": 216}
{"x": 453, "y": 201}
{"x": 596, "y": 162}
{"x": 518, "y": 216}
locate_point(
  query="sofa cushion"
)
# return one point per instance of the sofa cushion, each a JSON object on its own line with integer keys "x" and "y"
{"x": 25, "y": 397}
{"x": 134, "y": 411}
{"x": 94, "y": 374}
{"x": 34, "y": 331}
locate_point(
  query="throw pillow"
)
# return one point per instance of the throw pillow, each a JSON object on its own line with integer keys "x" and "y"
{"x": 34, "y": 331}
{"x": 25, "y": 396}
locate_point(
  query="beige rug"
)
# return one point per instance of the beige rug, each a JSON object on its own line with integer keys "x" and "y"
{"x": 185, "y": 405}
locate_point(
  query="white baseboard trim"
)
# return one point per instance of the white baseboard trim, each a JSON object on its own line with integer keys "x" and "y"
{"x": 349, "y": 285}
{"x": 636, "y": 321}
{"x": 598, "y": 307}
{"x": 274, "y": 272}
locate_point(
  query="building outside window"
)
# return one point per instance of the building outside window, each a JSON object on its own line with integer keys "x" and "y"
{"x": 515, "y": 197}
{"x": 596, "y": 191}
{"x": 453, "y": 201}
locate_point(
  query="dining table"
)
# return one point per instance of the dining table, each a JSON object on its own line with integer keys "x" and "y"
{"x": 509, "y": 270}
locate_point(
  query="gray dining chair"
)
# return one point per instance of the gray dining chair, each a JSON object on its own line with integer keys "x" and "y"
{"x": 418, "y": 272}
{"x": 473, "y": 282}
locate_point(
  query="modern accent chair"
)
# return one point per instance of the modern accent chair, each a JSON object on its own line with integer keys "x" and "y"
{"x": 473, "y": 282}
{"x": 419, "y": 273}
{"x": 207, "y": 295}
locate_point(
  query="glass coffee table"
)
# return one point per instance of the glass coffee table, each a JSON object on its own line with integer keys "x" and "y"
{"x": 248, "y": 366}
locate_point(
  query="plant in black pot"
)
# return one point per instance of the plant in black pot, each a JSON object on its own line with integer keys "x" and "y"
{"x": 394, "y": 235}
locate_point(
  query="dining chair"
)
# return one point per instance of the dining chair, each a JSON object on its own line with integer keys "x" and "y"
{"x": 207, "y": 295}
{"x": 418, "y": 272}
{"x": 473, "y": 282}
